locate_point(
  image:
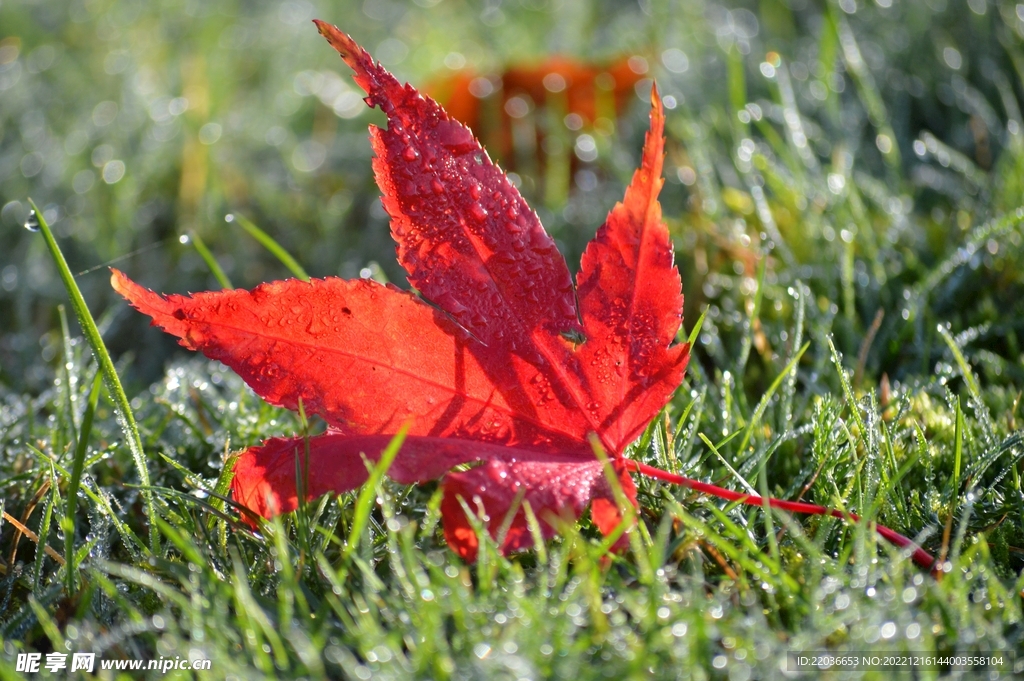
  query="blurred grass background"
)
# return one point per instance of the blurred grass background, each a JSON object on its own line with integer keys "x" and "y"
{"x": 846, "y": 172}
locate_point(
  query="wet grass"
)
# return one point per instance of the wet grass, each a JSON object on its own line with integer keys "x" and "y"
{"x": 846, "y": 182}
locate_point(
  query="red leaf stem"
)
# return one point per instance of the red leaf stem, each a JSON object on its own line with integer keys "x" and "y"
{"x": 920, "y": 556}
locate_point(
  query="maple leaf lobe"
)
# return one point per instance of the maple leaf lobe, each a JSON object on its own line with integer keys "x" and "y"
{"x": 557, "y": 491}
{"x": 264, "y": 476}
{"x": 631, "y": 303}
{"x": 466, "y": 237}
{"x": 390, "y": 360}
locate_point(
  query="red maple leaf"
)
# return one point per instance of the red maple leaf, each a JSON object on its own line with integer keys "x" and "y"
{"x": 502, "y": 366}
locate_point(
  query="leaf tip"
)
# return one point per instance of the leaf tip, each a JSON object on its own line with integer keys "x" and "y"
{"x": 118, "y": 280}
{"x": 656, "y": 134}
{"x": 338, "y": 40}
{"x": 458, "y": 531}
{"x": 655, "y": 97}
{"x": 251, "y": 490}
{"x": 129, "y": 290}
{"x": 356, "y": 57}
{"x": 165, "y": 312}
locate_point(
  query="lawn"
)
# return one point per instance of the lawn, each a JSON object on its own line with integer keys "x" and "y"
{"x": 845, "y": 196}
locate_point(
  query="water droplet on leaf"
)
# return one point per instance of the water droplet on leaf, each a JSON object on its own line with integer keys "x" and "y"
{"x": 32, "y": 222}
{"x": 478, "y": 212}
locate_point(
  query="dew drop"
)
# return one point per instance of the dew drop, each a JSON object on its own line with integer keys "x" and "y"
{"x": 474, "y": 191}
{"x": 455, "y": 136}
{"x": 436, "y": 185}
{"x": 32, "y": 222}
{"x": 478, "y": 212}
{"x": 317, "y": 326}
{"x": 410, "y": 154}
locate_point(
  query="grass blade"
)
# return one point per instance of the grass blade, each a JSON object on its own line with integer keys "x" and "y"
{"x": 268, "y": 242}
{"x": 364, "y": 503}
{"x": 211, "y": 262}
{"x": 766, "y": 398}
{"x": 92, "y": 334}
{"x": 43, "y": 542}
{"x": 77, "y": 467}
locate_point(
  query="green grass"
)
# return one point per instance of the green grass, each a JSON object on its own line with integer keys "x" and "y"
{"x": 850, "y": 226}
